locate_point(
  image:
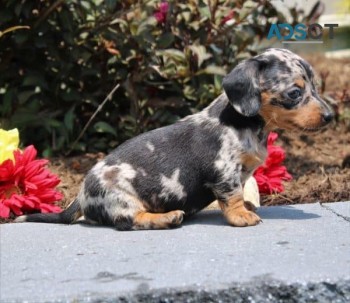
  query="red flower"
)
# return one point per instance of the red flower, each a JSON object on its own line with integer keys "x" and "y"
{"x": 25, "y": 185}
{"x": 270, "y": 175}
{"x": 161, "y": 13}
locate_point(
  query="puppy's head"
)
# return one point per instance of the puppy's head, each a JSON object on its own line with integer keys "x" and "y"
{"x": 279, "y": 86}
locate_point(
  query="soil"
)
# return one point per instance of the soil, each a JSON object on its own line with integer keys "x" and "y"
{"x": 319, "y": 162}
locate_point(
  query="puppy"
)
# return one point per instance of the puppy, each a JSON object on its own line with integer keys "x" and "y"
{"x": 155, "y": 179}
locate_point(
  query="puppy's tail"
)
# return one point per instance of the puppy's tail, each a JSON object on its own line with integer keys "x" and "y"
{"x": 68, "y": 216}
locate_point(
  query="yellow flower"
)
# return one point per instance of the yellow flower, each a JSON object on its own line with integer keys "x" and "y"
{"x": 8, "y": 143}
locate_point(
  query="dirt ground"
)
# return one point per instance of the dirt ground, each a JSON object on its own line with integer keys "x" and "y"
{"x": 319, "y": 163}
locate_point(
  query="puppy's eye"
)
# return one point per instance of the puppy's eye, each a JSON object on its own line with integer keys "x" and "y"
{"x": 294, "y": 94}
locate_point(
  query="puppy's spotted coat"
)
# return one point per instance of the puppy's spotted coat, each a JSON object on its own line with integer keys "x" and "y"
{"x": 154, "y": 179}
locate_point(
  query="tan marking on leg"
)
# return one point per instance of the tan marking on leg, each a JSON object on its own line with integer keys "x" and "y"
{"x": 250, "y": 161}
{"x": 145, "y": 220}
{"x": 237, "y": 214}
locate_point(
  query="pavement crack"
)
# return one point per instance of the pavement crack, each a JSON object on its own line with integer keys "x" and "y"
{"x": 106, "y": 276}
{"x": 346, "y": 218}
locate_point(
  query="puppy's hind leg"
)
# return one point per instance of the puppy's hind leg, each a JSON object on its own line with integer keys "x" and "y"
{"x": 125, "y": 211}
{"x": 146, "y": 220}
{"x": 131, "y": 209}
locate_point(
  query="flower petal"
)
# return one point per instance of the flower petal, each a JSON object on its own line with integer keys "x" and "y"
{"x": 270, "y": 175}
{"x": 26, "y": 184}
{"x": 4, "y": 210}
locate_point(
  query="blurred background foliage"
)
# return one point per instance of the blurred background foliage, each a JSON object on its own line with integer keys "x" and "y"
{"x": 168, "y": 57}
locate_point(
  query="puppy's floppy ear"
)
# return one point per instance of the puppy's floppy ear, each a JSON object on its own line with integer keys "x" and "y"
{"x": 241, "y": 86}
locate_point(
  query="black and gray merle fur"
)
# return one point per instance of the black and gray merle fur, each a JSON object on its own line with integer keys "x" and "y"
{"x": 154, "y": 179}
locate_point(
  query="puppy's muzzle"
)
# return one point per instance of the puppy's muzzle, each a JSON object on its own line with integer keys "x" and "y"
{"x": 327, "y": 114}
{"x": 327, "y": 117}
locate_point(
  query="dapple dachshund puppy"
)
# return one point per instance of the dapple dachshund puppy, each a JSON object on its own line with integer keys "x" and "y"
{"x": 155, "y": 179}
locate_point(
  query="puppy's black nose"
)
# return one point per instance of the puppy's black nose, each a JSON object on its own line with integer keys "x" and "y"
{"x": 327, "y": 117}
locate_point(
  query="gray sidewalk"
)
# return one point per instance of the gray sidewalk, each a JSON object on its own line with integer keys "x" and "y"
{"x": 298, "y": 254}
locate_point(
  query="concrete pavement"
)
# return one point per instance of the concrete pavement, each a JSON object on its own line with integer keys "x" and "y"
{"x": 298, "y": 254}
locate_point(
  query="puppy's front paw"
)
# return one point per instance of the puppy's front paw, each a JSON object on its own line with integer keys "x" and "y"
{"x": 175, "y": 217}
{"x": 243, "y": 217}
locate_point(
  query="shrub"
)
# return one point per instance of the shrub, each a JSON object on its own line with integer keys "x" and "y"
{"x": 168, "y": 57}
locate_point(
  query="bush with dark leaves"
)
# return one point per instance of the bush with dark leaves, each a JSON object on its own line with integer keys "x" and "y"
{"x": 169, "y": 58}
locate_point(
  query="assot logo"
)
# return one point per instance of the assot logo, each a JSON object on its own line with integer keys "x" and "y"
{"x": 300, "y": 32}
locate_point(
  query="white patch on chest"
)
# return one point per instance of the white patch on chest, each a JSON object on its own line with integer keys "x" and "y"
{"x": 172, "y": 186}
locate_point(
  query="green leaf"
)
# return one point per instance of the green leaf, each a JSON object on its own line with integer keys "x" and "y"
{"x": 104, "y": 127}
{"x": 146, "y": 25}
{"x": 119, "y": 21}
{"x": 47, "y": 152}
{"x": 52, "y": 123}
{"x": 6, "y": 107}
{"x": 204, "y": 11}
{"x": 24, "y": 117}
{"x": 173, "y": 54}
{"x": 186, "y": 16}
{"x": 247, "y": 9}
{"x": 250, "y": 4}
{"x": 69, "y": 119}
{"x": 67, "y": 20}
{"x": 212, "y": 70}
{"x": 217, "y": 82}
{"x": 80, "y": 146}
{"x": 165, "y": 40}
{"x": 24, "y": 96}
{"x": 201, "y": 53}
{"x": 70, "y": 95}
{"x": 111, "y": 4}
{"x": 35, "y": 80}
